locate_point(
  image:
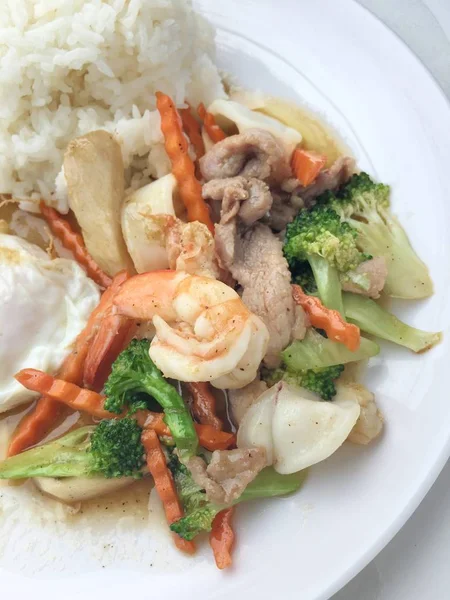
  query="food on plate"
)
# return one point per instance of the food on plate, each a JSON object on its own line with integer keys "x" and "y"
{"x": 191, "y": 270}
{"x": 94, "y": 173}
{"x": 45, "y": 305}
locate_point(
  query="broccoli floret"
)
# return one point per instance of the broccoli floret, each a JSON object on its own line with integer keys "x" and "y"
{"x": 140, "y": 401}
{"x": 365, "y": 206}
{"x": 304, "y": 277}
{"x": 197, "y": 521}
{"x": 318, "y": 236}
{"x": 318, "y": 352}
{"x": 374, "y": 319}
{"x": 319, "y": 231}
{"x": 200, "y": 513}
{"x": 320, "y": 381}
{"x": 123, "y": 388}
{"x": 113, "y": 448}
{"x": 191, "y": 495}
{"x": 116, "y": 448}
{"x": 134, "y": 373}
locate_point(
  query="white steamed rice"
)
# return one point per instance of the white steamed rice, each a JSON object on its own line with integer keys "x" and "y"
{"x": 68, "y": 67}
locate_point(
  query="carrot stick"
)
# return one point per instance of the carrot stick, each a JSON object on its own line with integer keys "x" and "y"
{"x": 330, "y": 320}
{"x": 165, "y": 485}
{"x": 306, "y": 165}
{"x": 154, "y": 421}
{"x": 35, "y": 425}
{"x": 215, "y": 133}
{"x": 113, "y": 336}
{"x": 182, "y": 166}
{"x": 193, "y": 130}
{"x": 204, "y": 404}
{"x": 212, "y": 439}
{"x": 92, "y": 403}
{"x": 208, "y": 437}
{"x": 221, "y": 538}
{"x": 74, "y": 241}
{"x": 63, "y": 391}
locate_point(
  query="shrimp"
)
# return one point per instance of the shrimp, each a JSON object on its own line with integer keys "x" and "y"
{"x": 204, "y": 332}
{"x": 161, "y": 240}
{"x": 190, "y": 247}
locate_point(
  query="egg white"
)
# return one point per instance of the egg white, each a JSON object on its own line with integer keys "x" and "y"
{"x": 44, "y": 306}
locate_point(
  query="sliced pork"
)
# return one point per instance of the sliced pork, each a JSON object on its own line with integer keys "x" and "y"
{"x": 228, "y": 473}
{"x": 248, "y": 198}
{"x": 329, "y": 179}
{"x": 284, "y": 208}
{"x": 255, "y": 260}
{"x": 253, "y": 153}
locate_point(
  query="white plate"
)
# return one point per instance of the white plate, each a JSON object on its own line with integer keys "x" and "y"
{"x": 337, "y": 58}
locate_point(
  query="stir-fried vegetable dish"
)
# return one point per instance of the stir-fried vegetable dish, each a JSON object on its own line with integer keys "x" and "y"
{"x": 205, "y": 323}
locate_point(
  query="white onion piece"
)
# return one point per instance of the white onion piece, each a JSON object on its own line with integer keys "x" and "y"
{"x": 296, "y": 427}
{"x": 244, "y": 118}
{"x": 256, "y": 426}
{"x": 143, "y": 233}
{"x": 307, "y": 430}
{"x": 77, "y": 489}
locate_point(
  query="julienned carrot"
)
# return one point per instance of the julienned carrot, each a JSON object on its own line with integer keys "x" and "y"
{"x": 221, "y": 538}
{"x": 153, "y": 421}
{"x": 307, "y": 165}
{"x": 193, "y": 130}
{"x": 215, "y": 133}
{"x": 165, "y": 485}
{"x": 182, "y": 166}
{"x": 35, "y": 425}
{"x": 114, "y": 334}
{"x": 212, "y": 439}
{"x": 327, "y": 319}
{"x": 73, "y": 241}
{"x": 91, "y": 402}
{"x": 79, "y": 398}
{"x": 63, "y": 391}
{"x": 204, "y": 404}
{"x": 208, "y": 437}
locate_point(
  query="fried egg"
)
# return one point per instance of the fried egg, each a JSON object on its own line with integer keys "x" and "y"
{"x": 44, "y": 305}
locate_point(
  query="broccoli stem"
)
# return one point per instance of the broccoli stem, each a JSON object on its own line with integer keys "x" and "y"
{"x": 316, "y": 352}
{"x": 112, "y": 448}
{"x": 328, "y": 282}
{"x": 408, "y": 276}
{"x": 372, "y": 318}
{"x": 177, "y": 416}
{"x": 65, "y": 457}
{"x": 133, "y": 373}
{"x": 267, "y": 484}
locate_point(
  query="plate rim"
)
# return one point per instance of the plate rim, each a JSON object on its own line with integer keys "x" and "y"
{"x": 442, "y": 457}
{"x": 414, "y": 503}
{"x": 397, "y": 523}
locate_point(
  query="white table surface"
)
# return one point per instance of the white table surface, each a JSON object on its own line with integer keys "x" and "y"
{"x": 415, "y": 565}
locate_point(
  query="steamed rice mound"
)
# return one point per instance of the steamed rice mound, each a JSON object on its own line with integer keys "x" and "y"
{"x": 68, "y": 67}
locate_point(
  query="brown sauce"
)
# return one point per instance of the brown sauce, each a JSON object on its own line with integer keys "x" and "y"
{"x": 130, "y": 501}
